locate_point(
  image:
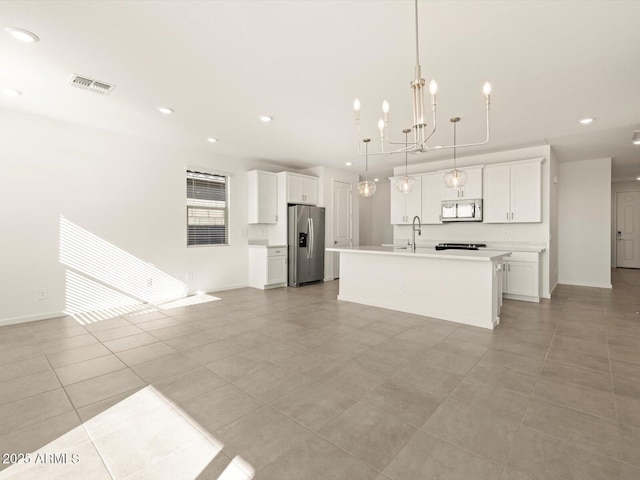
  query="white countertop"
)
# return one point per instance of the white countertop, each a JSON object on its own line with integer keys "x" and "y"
{"x": 266, "y": 246}
{"x": 483, "y": 255}
{"x": 508, "y": 246}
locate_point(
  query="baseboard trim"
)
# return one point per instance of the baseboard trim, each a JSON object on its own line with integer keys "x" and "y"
{"x": 227, "y": 287}
{"x": 30, "y": 318}
{"x": 47, "y": 316}
{"x": 592, "y": 285}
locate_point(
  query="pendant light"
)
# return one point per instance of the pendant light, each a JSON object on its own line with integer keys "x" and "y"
{"x": 455, "y": 178}
{"x": 406, "y": 183}
{"x": 366, "y": 188}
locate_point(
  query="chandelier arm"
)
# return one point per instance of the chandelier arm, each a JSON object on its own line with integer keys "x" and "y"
{"x": 412, "y": 148}
{"x": 486, "y": 140}
{"x": 397, "y": 143}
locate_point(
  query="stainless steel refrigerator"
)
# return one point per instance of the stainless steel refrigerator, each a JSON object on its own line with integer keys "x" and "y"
{"x": 306, "y": 244}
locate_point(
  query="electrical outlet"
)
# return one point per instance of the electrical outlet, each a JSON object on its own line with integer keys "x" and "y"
{"x": 402, "y": 287}
{"x": 43, "y": 294}
{"x": 149, "y": 282}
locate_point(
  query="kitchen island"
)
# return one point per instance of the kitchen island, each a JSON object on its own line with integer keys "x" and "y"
{"x": 463, "y": 286}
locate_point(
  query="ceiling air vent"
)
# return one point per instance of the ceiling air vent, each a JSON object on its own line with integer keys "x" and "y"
{"x": 94, "y": 86}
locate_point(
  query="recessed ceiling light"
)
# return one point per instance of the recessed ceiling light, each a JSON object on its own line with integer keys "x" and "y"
{"x": 11, "y": 92}
{"x": 212, "y": 140}
{"x": 637, "y": 142}
{"x": 587, "y": 121}
{"x": 165, "y": 110}
{"x": 348, "y": 164}
{"x": 636, "y": 137}
{"x": 376, "y": 179}
{"x": 265, "y": 118}
{"x": 637, "y": 178}
{"x": 22, "y": 34}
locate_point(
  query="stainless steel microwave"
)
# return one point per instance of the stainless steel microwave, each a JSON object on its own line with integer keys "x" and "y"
{"x": 462, "y": 210}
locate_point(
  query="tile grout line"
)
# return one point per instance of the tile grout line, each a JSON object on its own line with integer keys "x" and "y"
{"x": 526, "y": 407}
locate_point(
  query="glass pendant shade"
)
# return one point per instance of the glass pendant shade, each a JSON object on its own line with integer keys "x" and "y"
{"x": 367, "y": 188}
{"x": 455, "y": 178}
{"x": 405, "y": 184}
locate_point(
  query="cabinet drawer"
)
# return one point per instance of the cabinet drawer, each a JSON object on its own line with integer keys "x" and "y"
{"x": 523, "y": 257}
{"x": 276, "y": 252}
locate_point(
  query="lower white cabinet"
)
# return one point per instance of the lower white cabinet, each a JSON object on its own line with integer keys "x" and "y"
{"x": 521, "y": 277}
{"x": 267, "y": 267}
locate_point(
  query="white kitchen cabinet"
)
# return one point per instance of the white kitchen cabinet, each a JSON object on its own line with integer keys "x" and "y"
{"x": 405, "y": 206}
{"x": 472, "y": 188}
{"x": 263, "y": 196}
{"x": 301, "y": 189}
{"x": 513, "y": 192}
{"x": 521, "y": 276}
{"x": 267, "y": 267}
{"x": 432, "y": 193}
{"x": 526, "y": 192}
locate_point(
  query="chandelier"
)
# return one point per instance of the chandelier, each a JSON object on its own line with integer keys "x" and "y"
{"x": 420, "y": 132}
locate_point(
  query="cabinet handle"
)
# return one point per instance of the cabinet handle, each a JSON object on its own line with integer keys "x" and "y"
{"x": 511, "y": 215}
{"x": 507, "y": 215}
{"x": 508, "y": 267}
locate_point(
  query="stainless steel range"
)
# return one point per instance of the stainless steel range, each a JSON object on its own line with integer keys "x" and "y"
{"x": 460, "y": 246}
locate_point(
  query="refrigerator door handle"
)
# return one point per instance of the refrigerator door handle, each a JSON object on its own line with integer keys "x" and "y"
{"x": 309, "y": 236}
{"x": 313, "y": 234}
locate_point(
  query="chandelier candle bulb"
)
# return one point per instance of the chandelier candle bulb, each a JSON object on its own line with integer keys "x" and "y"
{"x": 356, "y": 107}
{"x": 433, "y": 88}
{"x": 385, "y": 111}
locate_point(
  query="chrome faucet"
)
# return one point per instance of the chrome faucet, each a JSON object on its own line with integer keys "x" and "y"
{"x": 419, "y": 230}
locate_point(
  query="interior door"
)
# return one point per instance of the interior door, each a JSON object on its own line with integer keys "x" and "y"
{"x": 341, "y": 221}
{"x": 628, "y": 230}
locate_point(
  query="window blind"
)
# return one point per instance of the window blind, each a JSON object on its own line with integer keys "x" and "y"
{"x": 207, "y": 209}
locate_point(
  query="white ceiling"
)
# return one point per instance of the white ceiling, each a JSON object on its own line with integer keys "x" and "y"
{"x": 220, "y": 64}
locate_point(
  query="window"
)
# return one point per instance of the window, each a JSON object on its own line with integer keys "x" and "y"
{"x": 207, "y": 209}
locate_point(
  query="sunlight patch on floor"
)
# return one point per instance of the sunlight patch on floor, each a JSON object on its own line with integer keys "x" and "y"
{"x": 143, "y": 436}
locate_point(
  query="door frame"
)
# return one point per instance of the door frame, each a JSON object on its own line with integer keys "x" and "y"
{"x": 614, "y": 225}
{"x": 333, "y": 220}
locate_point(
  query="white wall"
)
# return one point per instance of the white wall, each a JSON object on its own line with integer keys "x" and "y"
{"x": 615, "y": 188}
{"x": 487, "y": 232}
{"x": 584, "y": 219}
{"x": 126, "y": 191}
{"x": 375, "y": 212}
{"x": 553, "y": 221}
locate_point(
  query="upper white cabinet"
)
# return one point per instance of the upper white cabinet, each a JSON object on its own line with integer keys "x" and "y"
{"x": 405, "y": 206}
{"x": 302, "y": 189}
{"x": 513, "y": 192}
{"x": 432, "y": 196}
{"x": 263, "y": 196}
{"x": 472, "y": 188}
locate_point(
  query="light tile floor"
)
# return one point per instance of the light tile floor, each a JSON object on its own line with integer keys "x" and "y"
{"x": 292, "y": 384}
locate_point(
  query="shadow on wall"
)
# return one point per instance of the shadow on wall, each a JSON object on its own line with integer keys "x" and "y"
{"x": 103, "y": 281}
